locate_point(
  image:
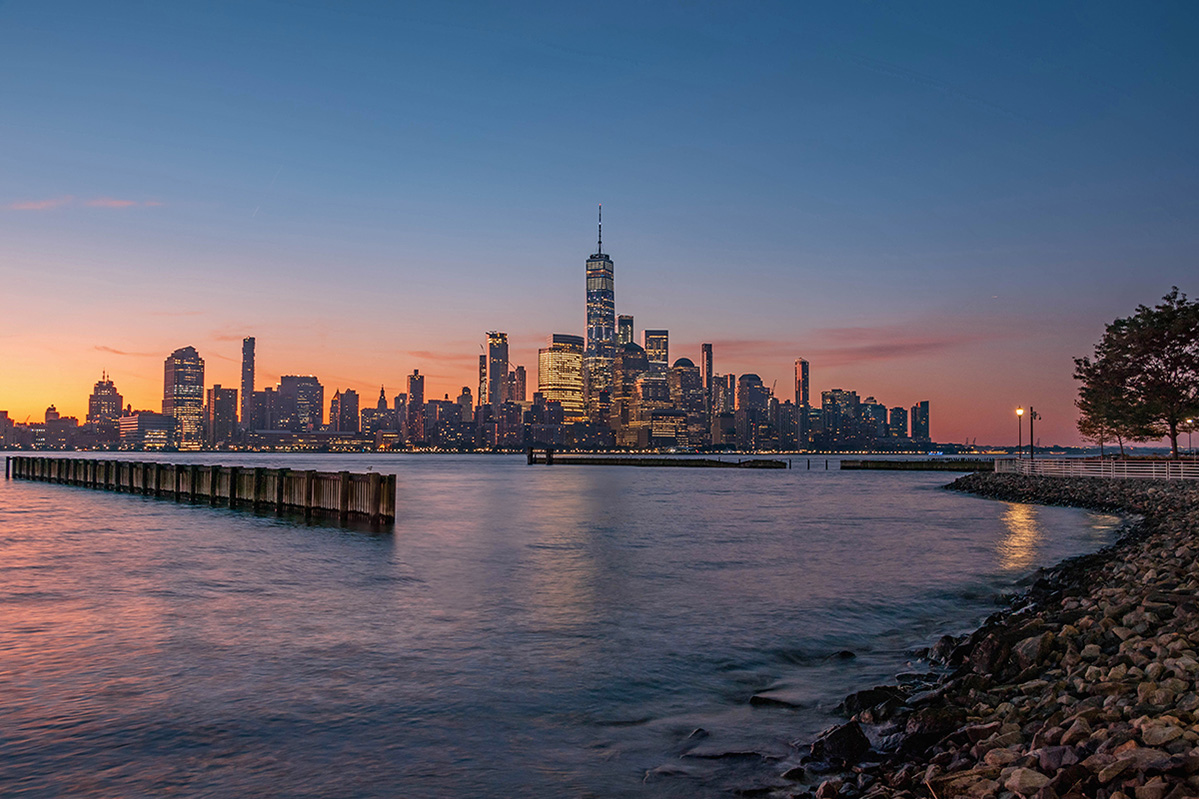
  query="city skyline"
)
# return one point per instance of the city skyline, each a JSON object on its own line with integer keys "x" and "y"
{"x": 940, "y": 203}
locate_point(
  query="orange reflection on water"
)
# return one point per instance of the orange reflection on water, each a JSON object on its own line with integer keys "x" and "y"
{"x": 1018, "y": 549}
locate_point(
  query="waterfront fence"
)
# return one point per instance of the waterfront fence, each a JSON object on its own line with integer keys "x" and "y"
{"x": 369, "y": 496}
{"x": 1110, "y": 468}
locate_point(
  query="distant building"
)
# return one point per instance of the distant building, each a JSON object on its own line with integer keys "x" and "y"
{"x": 148, "y": 430}
{"x": 705, "y": 375}
{"x": 416, "y": 407}
{"x": 482, "y": 397}
{"x": 264, "y": 410}
{"x": 752, "y": 394}
{"x": 897, "y": 423}
{"x": 517, "y": 385}
{"x": 301, "y": 404}
{"x": 220, "y": 415}
{"x": 874, "y": 418}
{"x": 920, "y": 426}
{"x": 497, "y": 368}
{"x": 343, "y": 412}
{"x": 183, "y": 395}
{"x": 802, "y": 400}
{"x": 560, "y": 374}
{"x": 467, "y": 403}
{"x": 687, "y": 395}
{"x": 599, "y": 351}
{"x": 656, "y": 344}
{"x": 624, "y": 330}
{"x": 105, "y": 404}
{"x": 247, "y": 382}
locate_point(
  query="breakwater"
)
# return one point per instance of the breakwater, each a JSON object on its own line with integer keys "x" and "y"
{"x": 363, "y": 496}
{"x": 552, "y": 459}
{"x": 946, "y": 465}
{"x": 1085, "y": 687}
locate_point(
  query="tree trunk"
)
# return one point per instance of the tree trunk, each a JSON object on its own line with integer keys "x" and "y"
{"x": 1174, "y": 439}
{"x": 1120, "y": 441}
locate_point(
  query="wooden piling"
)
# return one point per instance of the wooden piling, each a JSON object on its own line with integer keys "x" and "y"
{"x": 369, "y": 496}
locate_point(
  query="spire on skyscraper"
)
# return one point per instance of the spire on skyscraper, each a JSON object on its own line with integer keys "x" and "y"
{"x": 600, "y": 243}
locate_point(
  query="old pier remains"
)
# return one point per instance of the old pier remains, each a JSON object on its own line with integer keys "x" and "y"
{"x": 370, "y": 496}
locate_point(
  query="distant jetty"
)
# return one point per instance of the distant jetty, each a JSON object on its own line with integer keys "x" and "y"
{"x": 940, "y": 465}
{"x": 362, "y": 496}
{"x": 547, "y": 457}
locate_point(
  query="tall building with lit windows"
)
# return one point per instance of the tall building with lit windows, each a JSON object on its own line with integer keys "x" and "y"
{"x": 105, "y": 404}
{"x": 656, "y": 344}
{"x": 624, "y": 330}
{"x": 497, "y": 368}
{"x": 183, "y": 395}
{"x": 560, "y": 374}
{"x": 600, "y": 347}
{"x": 247, "y": 381}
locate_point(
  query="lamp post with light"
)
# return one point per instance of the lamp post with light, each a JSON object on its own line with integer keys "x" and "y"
{"x": 1190, "y": 429}
{"x": 1020, "y": 433}
{"x": 1032, "y": 417}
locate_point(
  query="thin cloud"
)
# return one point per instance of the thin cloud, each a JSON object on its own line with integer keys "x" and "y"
{"x": 114, "y": 351}
{"x": 40, "y": 205}
{"x": 442, "y": 357}
{"x": 69, "y": 200}
{"x": 110, "y": 202}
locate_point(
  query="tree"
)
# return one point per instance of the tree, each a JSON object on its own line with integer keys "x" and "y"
{"x": 1105, "y": 410}
{"x": 1144, "y": 379}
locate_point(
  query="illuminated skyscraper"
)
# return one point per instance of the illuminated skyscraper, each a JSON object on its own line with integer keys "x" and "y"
{"x": 920, "y": 428}
{"x": 802, "y": 400}
{"x": 801, "y": 383}
{"x": 343, "y": 412}
{"x": 600, "y": 348}
{"x": 517, "y": 385}
{"x": 560, "y": 374}
{"x": 624, "y": 330}
{"x": 705, "y": 375}
{"x": 183, "y": 395}
{"x": 301, "y": 403}
{"x": 416, "y": 406}
{"x": 497, "y": 368}
{"x": 220, "y": 415}
{"x": 247, "y": 381}
{"x": 657, "y": 347}
{"x": 105, "y": 404}
{"x": 483, "y": 379}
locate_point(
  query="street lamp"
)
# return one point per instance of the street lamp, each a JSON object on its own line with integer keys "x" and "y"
{"x": 1032, "y": 417}
{"x": 1190, "y": 429}
{"x": 1020, "y": 432}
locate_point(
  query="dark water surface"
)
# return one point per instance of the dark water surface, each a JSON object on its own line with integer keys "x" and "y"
{"x": 524, "y": 631}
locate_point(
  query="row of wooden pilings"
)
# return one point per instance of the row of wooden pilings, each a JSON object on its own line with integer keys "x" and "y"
{"x": 370, "y": 496}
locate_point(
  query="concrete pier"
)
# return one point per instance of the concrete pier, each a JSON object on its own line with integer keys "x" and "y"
{"x": 369, "y": 496}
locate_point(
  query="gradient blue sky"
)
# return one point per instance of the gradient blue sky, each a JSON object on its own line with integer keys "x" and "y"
{"x": 936, "y": 201}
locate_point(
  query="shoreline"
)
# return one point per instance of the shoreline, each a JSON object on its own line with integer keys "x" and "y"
{"x": 1087, "y": 685}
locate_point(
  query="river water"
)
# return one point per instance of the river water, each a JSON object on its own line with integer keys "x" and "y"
{"x": 523, "y": 631}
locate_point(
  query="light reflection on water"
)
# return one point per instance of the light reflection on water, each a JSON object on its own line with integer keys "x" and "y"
{"x": 1019, "y": 549}
{"x": 524, "y": 631}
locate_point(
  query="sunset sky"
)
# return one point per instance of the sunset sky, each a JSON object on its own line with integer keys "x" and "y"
{"x": 936, "y": 201}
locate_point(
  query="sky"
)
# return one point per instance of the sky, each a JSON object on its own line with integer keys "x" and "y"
{"x": 927, "y": 201}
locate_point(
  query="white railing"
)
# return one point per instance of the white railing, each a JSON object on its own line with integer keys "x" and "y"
{"x": 1083, "y": 467}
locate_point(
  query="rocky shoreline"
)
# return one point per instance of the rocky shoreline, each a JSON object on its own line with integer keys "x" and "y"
{"x": 1087, "y": 686}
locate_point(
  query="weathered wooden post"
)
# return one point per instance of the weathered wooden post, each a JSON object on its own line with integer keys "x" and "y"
{"x": 549, "y": 456}
{"x": 309, "y": 488}
{"x": 375, "y": 498}
{"x": 343, "y": 494}
{"x": 214, "y": 479}
{"x": 259, "y": 486}
{"x": 280, "y": 489}
{"x": 234, "y": 474}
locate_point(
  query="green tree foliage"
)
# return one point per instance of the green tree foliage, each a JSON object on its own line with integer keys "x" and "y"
{"x": 1143, "y": 380}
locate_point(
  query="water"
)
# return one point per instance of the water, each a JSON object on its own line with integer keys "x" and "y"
{"x": 531, "y": 631}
